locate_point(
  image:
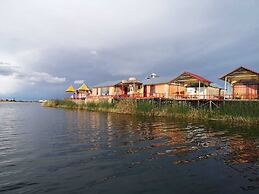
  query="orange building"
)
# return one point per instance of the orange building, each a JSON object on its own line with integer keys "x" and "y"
{"x": 156, "y": 87}
{"x": 242, "y": 83}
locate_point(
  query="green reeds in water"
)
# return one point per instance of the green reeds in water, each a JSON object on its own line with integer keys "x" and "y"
{"x": 246, "y": 109}
{"x": 60, "y": 103}
{"x": 245, "y": 112}
{"x": 91, "y": 106}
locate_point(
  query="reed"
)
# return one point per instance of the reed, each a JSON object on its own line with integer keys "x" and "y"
{"x": 60, "y": 104}
{"x": 246, "y": 109}
{"x": 242, "y": 112}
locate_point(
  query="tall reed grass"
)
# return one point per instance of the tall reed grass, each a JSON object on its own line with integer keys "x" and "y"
{"x": 231, "y": 111}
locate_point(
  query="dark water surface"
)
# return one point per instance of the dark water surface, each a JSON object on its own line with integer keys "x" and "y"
{"x": 48, "y": 150}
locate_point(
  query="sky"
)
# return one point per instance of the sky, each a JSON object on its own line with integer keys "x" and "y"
{"x": 47, "y": 45}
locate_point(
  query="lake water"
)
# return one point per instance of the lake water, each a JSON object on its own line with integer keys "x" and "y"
{"x": 48, "y": 150}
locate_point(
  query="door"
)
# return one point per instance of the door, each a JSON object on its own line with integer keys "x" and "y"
{"x": 152, "y": 90}
{"x": 125, "y": 89}
{"x": 145, "y": 91}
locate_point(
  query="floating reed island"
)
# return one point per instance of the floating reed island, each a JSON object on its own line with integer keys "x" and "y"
{"x": 188, "y": 96}
{"x": 239, "y": 112}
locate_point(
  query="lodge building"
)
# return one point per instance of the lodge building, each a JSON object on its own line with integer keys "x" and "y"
{"x": 242, "y": 83}
{"x": 191, "y": 86}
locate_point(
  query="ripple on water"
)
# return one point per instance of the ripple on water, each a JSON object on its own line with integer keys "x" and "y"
{"x": 64, "y": 151}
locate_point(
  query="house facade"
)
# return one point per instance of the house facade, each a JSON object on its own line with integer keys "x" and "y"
{"x": 156, "y": 87}
{"x": 241, "y": 83}
{"x": 124, "y": 88}
{"x": 192, "y": 86}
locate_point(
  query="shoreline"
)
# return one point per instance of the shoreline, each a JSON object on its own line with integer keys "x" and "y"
{"x": 145, "y": 109}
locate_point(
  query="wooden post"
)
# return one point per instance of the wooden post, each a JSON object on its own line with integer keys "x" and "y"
{"x": 229, "y": 88}
{"x": 177, "y": 91}
{"x": 205, "y": 93}
{"x": 199, "y": 89}
{"x": 225, "y": 88}
{"x": 121, "y": 88}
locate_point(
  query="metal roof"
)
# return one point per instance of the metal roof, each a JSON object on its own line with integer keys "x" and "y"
{"x": 156, "y": 80}
{"x": 107, "y": 84}
{"x": 239, "y": 72}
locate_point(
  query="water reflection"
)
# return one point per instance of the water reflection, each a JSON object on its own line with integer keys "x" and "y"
{"x": 112, "y": 130}
{"x": 242, "y": 150}
{"x": 74, "y": 151}
{"x": 184, "y": 143}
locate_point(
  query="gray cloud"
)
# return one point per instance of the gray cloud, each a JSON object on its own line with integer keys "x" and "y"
{"x": 6, "y": 70}
{"x": 110, "y": 40}
{"x": 31, "y": 77}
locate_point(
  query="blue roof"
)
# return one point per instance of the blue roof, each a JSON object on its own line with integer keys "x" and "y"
{"x": 157, "y": 80}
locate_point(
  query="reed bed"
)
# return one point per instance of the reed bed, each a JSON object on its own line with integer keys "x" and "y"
{"x": 241, "y": 112}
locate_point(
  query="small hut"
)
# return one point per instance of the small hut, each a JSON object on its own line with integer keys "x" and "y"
{"x": 155, "y": 86}
{"x": 104, "y": 89}
{"x": 83, "y": 91}
{"x": 241, "y": 83}
{"x": 72, "y": 90}
{"x": 192, "y": 86}
{"x": 122, "y": 88}
{"x": 128, "y": 88}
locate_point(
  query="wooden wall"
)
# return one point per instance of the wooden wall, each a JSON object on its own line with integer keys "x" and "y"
{"x": 243, "y": 91}
{"x": 175, "y": 90}
{"x": 157, "y": 90}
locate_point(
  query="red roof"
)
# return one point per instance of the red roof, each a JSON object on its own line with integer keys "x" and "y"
{"x": 195, "y": 76}
{"x": 198, "y": 77}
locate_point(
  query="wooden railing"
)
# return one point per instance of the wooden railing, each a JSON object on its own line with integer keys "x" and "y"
{"x": 241, "y": 96}
{"x": 173, "y": 96}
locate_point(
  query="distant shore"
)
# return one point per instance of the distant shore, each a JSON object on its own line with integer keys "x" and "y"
{"x": 242, "y": 114}
{"x": 35, "y": 101}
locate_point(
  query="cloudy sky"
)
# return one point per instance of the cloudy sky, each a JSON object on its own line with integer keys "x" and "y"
{"x": 46, "y": 45}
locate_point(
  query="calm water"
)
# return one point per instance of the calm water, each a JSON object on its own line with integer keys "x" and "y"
{"x": 47, "y": 150}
